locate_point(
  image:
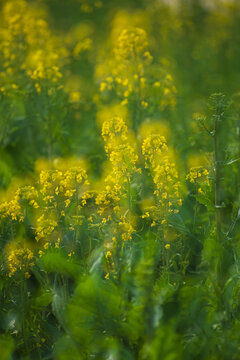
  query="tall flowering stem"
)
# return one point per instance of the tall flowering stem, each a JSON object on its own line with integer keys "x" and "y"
{"x": 137, "y": 80}
{"x": 165, "y": 179}
{"x": 120, "y": 148}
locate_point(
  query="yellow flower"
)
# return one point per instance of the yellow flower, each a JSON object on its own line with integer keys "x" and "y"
{"x": 144, "y": 104}
{"x": 108, "y": 255}
{"x": 46, "y": 245}
{"x": 67, "y": 202}
{"x": 40, "y": 252}
{"x": 74, "y": 96}
{"x": 103, "y": 86}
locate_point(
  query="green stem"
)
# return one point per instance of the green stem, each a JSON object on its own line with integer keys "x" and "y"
{"x": 217, "y": 169}
{"x": 195, "y": 216}
{"x": 238, "y": 173}
{"x": 129, "y": 194}
{"x": 49, "y": 129}
{"x": 23, "y": 301}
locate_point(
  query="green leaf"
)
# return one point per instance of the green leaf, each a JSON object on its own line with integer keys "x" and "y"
{"x": 58, "y": 263}
{"x": 177, "y": 222}
{"x": 42, "y": 301}
{"x": 6, "y": 348}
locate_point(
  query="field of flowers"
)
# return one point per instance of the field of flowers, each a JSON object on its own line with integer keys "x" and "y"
{"x": 119, "y": 180}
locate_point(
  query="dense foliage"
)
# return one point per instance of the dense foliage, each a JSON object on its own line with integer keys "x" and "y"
{"x": 119, "y": 179}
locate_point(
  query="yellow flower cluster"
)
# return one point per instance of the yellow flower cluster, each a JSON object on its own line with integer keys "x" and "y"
{"x": 135, "y": 77}
{"x": 118, "y": 147}
{"x": 25, "y": 38}
{"x": 31, "y": 61}
{"x": 46, "y": 246}
{"x": 169, "y": 91}
{"x": 28, "y": 50}
{"x": 132, "y": 44}
{"x": 49, "y": 203}
{"x": 30, "y": 194}
{"x": 152, "y": 148}
{"x": 45, "y": 227}
{"x": 20, "y": 259}
{"x": 199, "y": 177}
{"x": 196, "y": 173}
{"x": 126, "y": 229}
{"x": 42, "y": 72}
{"x": 14, "y": 208}
{"x": 130, "y": 58}
{"x": 123, "y": 158}
{"x": 55, "y": 183}
{"x": 111, "y": 129}
{"x": 59, "y": 189}
{"x": 164, "y": 174}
